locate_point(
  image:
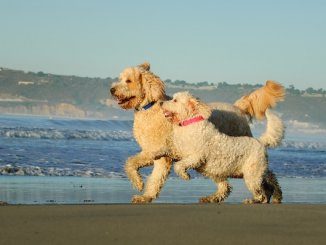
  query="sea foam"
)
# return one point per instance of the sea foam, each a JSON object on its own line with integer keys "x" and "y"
{"x": 66, "y": 134}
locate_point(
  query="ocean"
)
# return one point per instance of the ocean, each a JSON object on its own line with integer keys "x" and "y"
{"x": 55, "y": 160}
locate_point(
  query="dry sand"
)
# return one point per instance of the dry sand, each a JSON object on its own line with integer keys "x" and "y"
{"x": 163, "y": 224}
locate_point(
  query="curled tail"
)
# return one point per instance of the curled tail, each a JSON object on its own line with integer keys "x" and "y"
{"x": 274, "y": 133}
{"x": 256, "y": 103}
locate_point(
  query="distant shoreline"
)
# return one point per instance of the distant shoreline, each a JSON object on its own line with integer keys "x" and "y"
{"x": 50, "y": 94}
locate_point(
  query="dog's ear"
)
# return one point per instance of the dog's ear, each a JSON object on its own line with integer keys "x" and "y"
{"x": 153, "y": 86}
{"x": 199, "y": 108}
{"x": 146, "y": 66}
{"x": 175, "y": 119}
{"x": 192, "y": 103}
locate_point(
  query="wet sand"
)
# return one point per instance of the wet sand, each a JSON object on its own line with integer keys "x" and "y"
{"x": 81, "y": 190}
{"x": 163, "y": 224}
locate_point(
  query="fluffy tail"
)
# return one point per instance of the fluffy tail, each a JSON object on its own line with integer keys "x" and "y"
{"x": 274, "y": 133}
{"x": 256, "y": 103}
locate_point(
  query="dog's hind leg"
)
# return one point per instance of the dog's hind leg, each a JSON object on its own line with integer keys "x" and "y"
{"x": 155, "y": 181}
{"x": 269, "y": 186}
{"x": 254, "y": 182}
{"x": 254, "y": 174}
{"x": 133, "y": 163}
{"x": 223, "y": 191}
{"x": 272, "y": 184}
{"x": 268, "y": 189}
{"x": 181, "y": 166}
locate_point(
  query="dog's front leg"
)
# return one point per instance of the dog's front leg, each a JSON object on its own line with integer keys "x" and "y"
{"x": 155, "y": 181}
{"x": 181, "y": 166}
{"x": 133, "y": 163}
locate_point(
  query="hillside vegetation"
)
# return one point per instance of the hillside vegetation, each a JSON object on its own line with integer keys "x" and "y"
{"x": 49, "y": 94}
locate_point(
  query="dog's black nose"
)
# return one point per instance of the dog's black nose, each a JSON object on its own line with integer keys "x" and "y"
{"x": 112, "y": 90}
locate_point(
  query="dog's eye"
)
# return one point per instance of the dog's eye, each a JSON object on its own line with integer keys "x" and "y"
{"x": 128, "y": 81}
{"x": 174, "y": 100}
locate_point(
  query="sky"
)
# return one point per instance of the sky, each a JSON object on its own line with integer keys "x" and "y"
{"x": 234, "y": 41}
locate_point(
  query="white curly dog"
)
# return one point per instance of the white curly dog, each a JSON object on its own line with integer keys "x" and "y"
{"x": 199, "y": 145}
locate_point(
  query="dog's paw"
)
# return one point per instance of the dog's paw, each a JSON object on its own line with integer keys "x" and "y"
{"x": 181, "y": 172}
{"x": 247, "y": 201}
{"x": 138, "y": 184}
{"x": 3, "y": 203}
{"x": 136, "y": 180}
{"x": 205, "y": 200}
{"x": 141, "y": 199}
{"x": 252, "y": 201}
{"x": 210, "y": 199}
{"x": 276, "y": 201}
{"x": 184, "y": 176}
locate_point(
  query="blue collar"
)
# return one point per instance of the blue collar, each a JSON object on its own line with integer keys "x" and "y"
{"x": 146, "y": 107}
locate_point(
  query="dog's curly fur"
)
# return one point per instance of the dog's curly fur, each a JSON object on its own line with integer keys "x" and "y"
{"x": 256, "y": 103}
{"x": 137, "y": 87}
{"x": 199, "y": 145}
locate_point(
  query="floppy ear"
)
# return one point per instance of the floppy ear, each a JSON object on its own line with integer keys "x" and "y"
{"x": 175, "y": 119}
{"x": 199, "y": 108}
{"x": 192, "y": 103}
{"x": 146, "y": 66}
{"x": 153, "y": 86}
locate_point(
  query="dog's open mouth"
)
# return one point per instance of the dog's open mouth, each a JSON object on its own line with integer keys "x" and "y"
{"x": 122, "y": 101}
{"x": 168, "y": 114}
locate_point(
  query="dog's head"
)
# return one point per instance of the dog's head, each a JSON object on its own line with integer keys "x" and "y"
{"x": 184, "y": 106}
{"x": 137, "y": 86}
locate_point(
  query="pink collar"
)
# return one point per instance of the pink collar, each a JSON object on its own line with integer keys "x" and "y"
{"x": 191, "y": 121}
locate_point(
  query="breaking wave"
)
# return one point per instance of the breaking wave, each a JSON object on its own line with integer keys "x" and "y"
{"x": 301, "y": 145}
{"x": 66, "y": 134}
{"x": 305, "y": 127}
{"x": 51, "y": 171}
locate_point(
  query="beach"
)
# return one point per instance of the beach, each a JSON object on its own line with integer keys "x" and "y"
{"x": 87, "y": 190}
{"x": 75, "y": 210}
{"x": 163, "y": 224}
{"x": 65, "y": 184}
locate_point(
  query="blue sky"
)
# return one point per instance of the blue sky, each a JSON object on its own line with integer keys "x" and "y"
{"x": 234, "y": 41}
